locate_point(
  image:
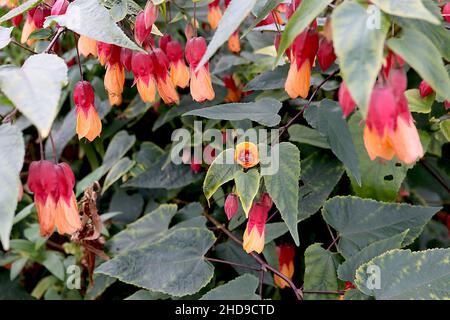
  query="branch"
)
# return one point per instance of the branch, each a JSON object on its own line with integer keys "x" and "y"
{"x": 264, "y": 265}
{"x": 55, "y": 38}
{"x": 320, "y": 85}
{"x": 13, "y": 41}
{"x": 233, "y": 263}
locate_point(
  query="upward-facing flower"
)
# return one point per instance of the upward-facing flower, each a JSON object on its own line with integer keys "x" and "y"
{"x": 54, "y": 199}
{"x": 89, "y": 124}
{"x": 214, "y": 14}
{"x": 87, "y": 46}
{"x": 286, "y": 253}
{"x": 179, "y": 72}
{"x": 254, "y": 233}
{"x": 166, "y": 88}
{"x": 109, "y": 55}
{"x": 390, "y": 128}
{"x": 201, "y": 86}
{"x": 142, "y": 66}
{"x": 246, "y": 154}
{"x": 301, "y": 54}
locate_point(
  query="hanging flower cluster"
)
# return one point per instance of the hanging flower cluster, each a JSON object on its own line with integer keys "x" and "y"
{"x": 390, "y": 128}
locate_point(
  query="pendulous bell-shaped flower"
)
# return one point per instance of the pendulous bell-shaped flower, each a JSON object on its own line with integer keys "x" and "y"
{"x": 200, "y": 85}
{"x": 89, "y": 125}
{"x": 87, "y": 46}
{"x": 166, "y": 88}
{"x": 214, "y": 14}
{"x": 286, "y": 253}
{"x": 52, "y": 185}
{"x": 142, "y": 67}
{"x": 254, "y": 233}
{"x": 179, "y": 72}
{"x": 346, "y": 101}
{"x": 109, "y": 55}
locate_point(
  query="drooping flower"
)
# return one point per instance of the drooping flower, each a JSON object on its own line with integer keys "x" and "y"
{"x": 214, "y": 14}
{"x": 126, "y": 55}
{"x": 393, "y": 61}
{"x": 231, "y": 205}
{"x": 233, "y": 42}
{"x": 87, "y": 46}
{"x": 109, "y": 55}
{"x": 54, "y": 198}
{"x": 59, "y": 7}
{"x": 141, "y": 31}
{"x": 142, "y": 66}
{"x": 425, "y": 89}
{"x": 301, "y": 54}
{"x": 179, "y": 72}
{"x": 234, "y": 93}
{"x": 254, "y": 233}
{"x": 325, "y": 54}
{"x": 346, "y": 101}
{"x": 246, "y": 154}
{"x": 166, "y": 88}
{"x": 35, "y": 20}
{"x": 286, "y": 253}
{"x": 200, "y": 85}
{"x": 390, "y": 128}
{"x": 89, "y": 125}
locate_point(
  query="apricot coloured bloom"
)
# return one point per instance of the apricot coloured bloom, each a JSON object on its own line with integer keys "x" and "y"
{"x": 54, "y": 198}
{"x": 166, "y": 88}
{"x": 89, "y": 125}
{"x": 200, "y": 85}
{"x": 214, "y": 14}
{"x": 286, "y": 253}
{"x": 246, "y": 154}
{"x": 87, "y": 46}
{"x": 142, "y": 67}
{"x": 254, "y": 234}
{"x": 114, "y": 81}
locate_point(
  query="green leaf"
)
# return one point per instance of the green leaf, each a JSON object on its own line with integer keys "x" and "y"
{"x": 118, "y": 147}
{"x": 119, "y": 169}
{"x": 360, "y": 222}
{"x": 262, "y": 14}
{"x": 418, "y": 104}
{"x": 347, "y": 270}
{"x": 174, "y": 265}
{"x": 264, "y": 111}
{"x": 381, "y": 180}
{"x": 320, "y": 174}
{"x": 240, "y": 288}
{"x": 11, "y": 290}
{"x": 119, "y": 10}
{"x": 91, "y": 19}
{"x": 269, "y": 80}
{"x": 414, "y": 9}
{"x": 27, "y": 5}
{"x": 302, "y": 17}
{"x": 303, "y": 134}
{"x": 421, "y": 54}
{"x": 166, "y": 175}
{"x": 5, "y": 36}
{"x": 329, "y": 121}
{"x": 236, "y": 12}
{"x": 247, "y": 186}
{"x": 222, "y": 170}
{"x": 11, "y": 160}
{"x": 101, "y": 283}
{"x": 17, "y": 267}
{"x": 283, "y": 185}
{"x": 43, "y": 285}
{"x": 320, "y": 272}
{"x": 148, "y": 295}
{"x": 445, "y": 128}
{"x": 144, "y": 230}
{"x": 54, "y": 263}
{"x": 133, "y": 7}
{"x": 359, "y": 46}
{"x": 409, "y": 275}
{"x": 40, "y": 34}
{"x": 435, "y": 33}
{"x": 35, "y": 88}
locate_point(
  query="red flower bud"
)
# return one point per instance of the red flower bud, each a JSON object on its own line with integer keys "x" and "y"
{"x": 326, "y": 55}
{"x": 150, "y": 14}
{"x": 125, "y": 58}
{"x": 17, "y": 20}
{"x": 446, "y": 12}
{"x": 141, "y": 31}
{"x": 425, "y": 89}
{"x": 59, "y": 7}
{"x": 346, "y": 101}
{"x": 231, "y": 205}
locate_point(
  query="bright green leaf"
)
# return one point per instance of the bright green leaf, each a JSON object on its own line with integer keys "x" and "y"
{"x": 240, "y": 288}
{"x": 418, "y": 104}
{"x": 119, "y": 169}
{"x": 414, "y": 9}
{"x": 247, "y": 186}
{"x": 303, "y": 134}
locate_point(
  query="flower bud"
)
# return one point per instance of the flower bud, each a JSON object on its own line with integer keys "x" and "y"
{"x": 425, "y": 89}
{"x": 59, "y": 7}
{"x": 231, "y": 205}
{"x": 346, "y": 101}
{"x": 141, "y": 31}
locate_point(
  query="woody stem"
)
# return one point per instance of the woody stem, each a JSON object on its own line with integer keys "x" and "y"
{"x": 233, "y": 263}
{"x": 22, "y": 46}
{"x": 264, "y": 265}
{"x": 55, "y": 38}
{"x": 78, "y": 55}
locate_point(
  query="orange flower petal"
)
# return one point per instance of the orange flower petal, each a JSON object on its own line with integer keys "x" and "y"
{"x": 377, "y": 146}
{"x": 67, "y": 218}
{"x": 166, "y": 90}
{"x": 253, "y": 241}
{"x": 214, "y": 16}
{"x": 233, "y": 43}
{"x": 246, "y": 154}
{"x": 87, "y": 46}
{"x": 406, "y": 142}
{"x": 201, "y": 86}
{"x": 298, "y": 80}
{"x": 147, "y": 91}
{"x": 46, "y": 216}
{"x": 179, "y": 73}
